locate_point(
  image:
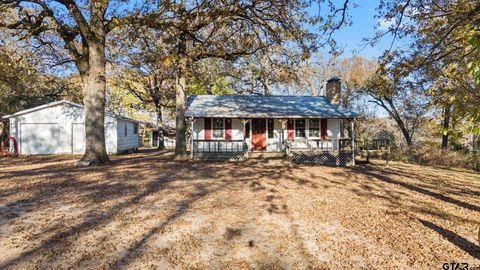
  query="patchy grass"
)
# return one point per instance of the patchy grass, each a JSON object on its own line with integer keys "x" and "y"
{"x": 148, "y": 211}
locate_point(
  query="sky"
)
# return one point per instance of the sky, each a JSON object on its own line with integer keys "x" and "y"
{"x": 365, "y": 25}
{"x": 350, "y": 37}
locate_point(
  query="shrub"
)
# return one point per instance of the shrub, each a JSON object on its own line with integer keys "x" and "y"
{"x": 434, "y": 156}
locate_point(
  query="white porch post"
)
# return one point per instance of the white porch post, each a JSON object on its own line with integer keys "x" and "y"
{"x": 353, "y": 143}
{"x": 151, "y": 140}
{"x": 282, "y": 137}
{"x": 244, "y": 122}
{"x": 192, "y": 121}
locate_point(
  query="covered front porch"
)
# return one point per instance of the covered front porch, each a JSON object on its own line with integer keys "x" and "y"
{"x": 299, "y": 140}
{"x": 306, "y": 129}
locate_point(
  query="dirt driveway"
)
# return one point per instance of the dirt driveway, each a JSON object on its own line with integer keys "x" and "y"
{"x": 146, "y": 211}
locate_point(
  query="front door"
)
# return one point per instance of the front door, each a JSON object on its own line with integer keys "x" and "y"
{"x": 259, "y": 138}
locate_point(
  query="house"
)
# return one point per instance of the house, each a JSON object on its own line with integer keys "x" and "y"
{"x": 303, "y": 127}
{"x": 158, "y": 136}
{"x": 59, "y": 128}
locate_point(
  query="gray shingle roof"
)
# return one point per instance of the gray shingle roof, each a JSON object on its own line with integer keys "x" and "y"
{"x": 237, "y": 106}
{"x": 64, "y": 102}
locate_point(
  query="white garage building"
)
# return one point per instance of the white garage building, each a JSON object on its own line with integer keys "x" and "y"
{"x": 59, "y": 128}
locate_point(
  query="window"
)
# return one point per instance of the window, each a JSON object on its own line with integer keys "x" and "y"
{"x": 300, "y": 128}
{"x": 125, "y": 130}
{"x": 270, "y": 128}
{"x": 135, "y": 128}
{"x": 314, "y": 128}
{"x": 217, "y": 127}
{"x": 247, "y": 130}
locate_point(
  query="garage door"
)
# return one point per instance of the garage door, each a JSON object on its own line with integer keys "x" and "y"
{"x": 78, "y": 138}
{"x": 45, "y": 138}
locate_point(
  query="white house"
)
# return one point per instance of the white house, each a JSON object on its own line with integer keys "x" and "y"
{"x": 230, "y": 126}
{"x": 59, "y": 128}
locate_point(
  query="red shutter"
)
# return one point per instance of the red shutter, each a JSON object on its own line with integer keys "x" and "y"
{"x": 208, "y": 128}
{"x": 228, "y": 129}
{"x": 290, "y": 127}
{"x": 323, "y": 126}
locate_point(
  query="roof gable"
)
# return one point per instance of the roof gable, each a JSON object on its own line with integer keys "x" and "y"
{"x": 62, "y": 102}
{"x": 42, "y": 107}
{"x": 238, "y": 106}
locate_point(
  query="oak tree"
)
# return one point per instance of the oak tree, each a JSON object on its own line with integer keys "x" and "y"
{"x": 76, "y": 32}
{"x": 231, "y": 30}
{"x": 438, "y": 42}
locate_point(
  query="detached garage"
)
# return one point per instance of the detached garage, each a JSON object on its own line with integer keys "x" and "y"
{"x": 59, "y": 128}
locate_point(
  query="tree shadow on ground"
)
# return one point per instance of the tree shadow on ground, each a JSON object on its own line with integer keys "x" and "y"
{"x": 386, "y": 179}
{"x": 126, "y": 182}
{"x": 377, "y": 181}
{"x": 135, "y": 181}
{"x": 457, "y": 240}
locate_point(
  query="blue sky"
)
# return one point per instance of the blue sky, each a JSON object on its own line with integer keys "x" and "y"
{"x": 365, "y": 25}
{"x": 350, "y": 37}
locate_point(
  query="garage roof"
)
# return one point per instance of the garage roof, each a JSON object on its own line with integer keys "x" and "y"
{"x": 238, "y": 106}
{"x": 63, "y": 102}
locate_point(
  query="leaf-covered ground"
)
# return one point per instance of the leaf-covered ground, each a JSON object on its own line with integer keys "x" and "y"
{"x": 147, "y": 211}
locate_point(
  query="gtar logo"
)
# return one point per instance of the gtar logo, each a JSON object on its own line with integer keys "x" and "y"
{"x": 455, "y": 266}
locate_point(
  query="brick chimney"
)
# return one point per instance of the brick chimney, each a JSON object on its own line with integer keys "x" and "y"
{"x": 333, "y": 90}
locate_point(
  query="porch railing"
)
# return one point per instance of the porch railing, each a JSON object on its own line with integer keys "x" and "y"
{"x": 328, "y": 145}
{"x": 216, "y": 146}
{"x": 374, "y": 145}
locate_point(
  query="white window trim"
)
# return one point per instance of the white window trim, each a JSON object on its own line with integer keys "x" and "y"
{"x": 319, "y": 128}
{"x": 295, "y": 129}
{"x": 211, "y": 128}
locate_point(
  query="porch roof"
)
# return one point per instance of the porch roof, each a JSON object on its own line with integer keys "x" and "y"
{"x": 256, "y": 106}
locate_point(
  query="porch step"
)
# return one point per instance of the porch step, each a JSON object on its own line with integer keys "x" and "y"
{"x": 265, "y": 155}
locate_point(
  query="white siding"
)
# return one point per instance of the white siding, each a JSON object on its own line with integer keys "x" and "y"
{"x": 248, "y": 140}
{"x": 46, "y": 131}
{"x": 237, "y": 129}
{"x": 275, "y": 144}
{"x": 40, "y": 138}
{"x": 126, "y": 139}
{"x": 111, "y": 142}
{"x": 333, "y": 128}
{"x": 78, "y": 137}
{"x": 14, "y": 127}
{"x": 60, "y": 129}
{"x": 169, "y": 142}
{"x": 198, "y": 129}
{"x": 333, "y": 131}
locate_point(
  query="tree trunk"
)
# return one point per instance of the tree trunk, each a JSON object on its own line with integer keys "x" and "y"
{"x": 94, "y": 101}
{"x": 161, "y": 139}
{"x": 208, "y": 87}
{"x": 266, "y": 89}
{"x": 180, "y": 87}
{"x": 5, "y": 130}
{"x": 392, "y": 111}
{"x": 403, "y": 129}
{"x": 157, "y": 102}
{"x": 446, "y": 124}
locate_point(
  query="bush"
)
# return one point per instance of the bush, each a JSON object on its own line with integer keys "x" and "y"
{"x": 434, "y": 156}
